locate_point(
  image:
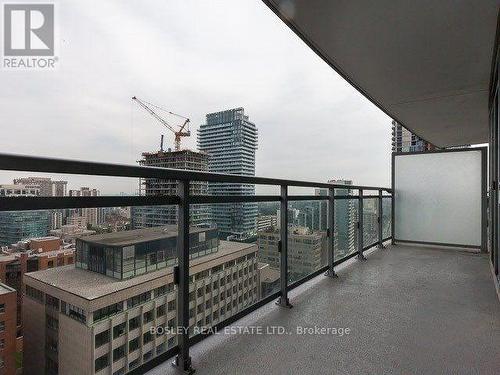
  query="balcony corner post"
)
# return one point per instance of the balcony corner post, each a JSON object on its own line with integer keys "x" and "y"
{"x": 183, "y": 360}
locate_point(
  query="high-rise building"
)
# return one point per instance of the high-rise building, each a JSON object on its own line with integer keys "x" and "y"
{"x": 306, "y": 250}
{"x": 152, "y": 216}
{"x": 20, "y": 225}
{"x": 230, "y": 140}
{"x": 266, "y": 221}
{"x": 47, "y": 187}
{"x": 77, "y": 321}
{"x": 86, "y": 216}
{"x": 345, "y": 220}
{"x": 404, "y": 140}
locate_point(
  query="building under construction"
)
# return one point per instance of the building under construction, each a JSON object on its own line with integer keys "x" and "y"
{"x": 144, "y": 217}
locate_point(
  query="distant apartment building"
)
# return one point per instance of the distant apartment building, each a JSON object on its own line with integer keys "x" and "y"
{"x": 306, "y": 250}
{"x": 8, "y": 330}
{"x": 45, "y": 185}
{"x": 56, "y": 219}
{"x": 230, "y": 140}
{"x": 18, "y": 190}
{"x": 266, "y": 221}
{"x": 152, "y": 216}
{"x": 69, "y": 233}
{"x": 81, "y": 322}
{"x": 404, "y": 140}
{"x": 85, "y": 216}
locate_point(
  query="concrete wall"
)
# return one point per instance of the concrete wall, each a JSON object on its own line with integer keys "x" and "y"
{"x": 34, "y": 337}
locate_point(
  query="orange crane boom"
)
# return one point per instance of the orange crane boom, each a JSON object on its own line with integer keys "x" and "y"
{"x": 178, "y": 133}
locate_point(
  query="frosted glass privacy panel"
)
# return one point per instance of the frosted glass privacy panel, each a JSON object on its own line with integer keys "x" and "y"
{"x": 438, "y": 197}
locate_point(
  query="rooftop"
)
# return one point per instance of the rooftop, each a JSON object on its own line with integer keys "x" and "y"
{"x": 4, "y": 289}
{"x": 136, "y": 236}
{"x": 91, "y": 285}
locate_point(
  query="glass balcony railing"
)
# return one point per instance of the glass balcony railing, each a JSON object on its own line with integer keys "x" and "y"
{"x": 175, "y": 268}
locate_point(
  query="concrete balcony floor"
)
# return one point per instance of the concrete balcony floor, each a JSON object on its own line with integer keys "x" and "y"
{"x": 410, "y": 310}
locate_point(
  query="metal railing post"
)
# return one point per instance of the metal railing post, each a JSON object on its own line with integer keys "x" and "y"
{"x": 283, "y": 249}
{"x": 181, "y": 276}
{"x": 331, "y": 233}
{"x": 380, "y": 221}
{"x": 360, "y": 225}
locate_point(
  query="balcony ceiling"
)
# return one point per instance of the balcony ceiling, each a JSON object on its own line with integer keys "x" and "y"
{"x": 425, "y": 63}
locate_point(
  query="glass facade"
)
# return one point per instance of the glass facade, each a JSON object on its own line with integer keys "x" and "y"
{"x": 139, "y": 257}
{"x": 19, "y": 225}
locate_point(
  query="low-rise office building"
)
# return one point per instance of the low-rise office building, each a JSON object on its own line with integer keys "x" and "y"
{"x": 97, "y": 324}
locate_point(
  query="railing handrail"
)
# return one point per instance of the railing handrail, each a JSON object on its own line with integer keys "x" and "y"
{"x": 26, "y": 163}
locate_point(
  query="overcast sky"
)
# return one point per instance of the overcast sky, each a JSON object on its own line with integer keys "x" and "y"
{"x": 191, "y": 57}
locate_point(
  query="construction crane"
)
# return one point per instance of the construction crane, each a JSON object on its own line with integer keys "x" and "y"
{"x": 183, "y": 129}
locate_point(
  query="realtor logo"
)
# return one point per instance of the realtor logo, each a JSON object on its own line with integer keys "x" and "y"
{"x": 28, "y": 31}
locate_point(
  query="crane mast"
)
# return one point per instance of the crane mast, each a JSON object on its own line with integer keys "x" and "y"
{"x": 178, "y": 133}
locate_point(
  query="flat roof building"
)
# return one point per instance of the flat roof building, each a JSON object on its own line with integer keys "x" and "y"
{"x": 82, "y": 322}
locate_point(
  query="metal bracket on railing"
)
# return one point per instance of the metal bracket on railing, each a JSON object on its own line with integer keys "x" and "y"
{"x": 360, "y": 225}
{"x": 283, "y": 249}
{"x": 330, "y": 233}
{"x": 380, "y": 221}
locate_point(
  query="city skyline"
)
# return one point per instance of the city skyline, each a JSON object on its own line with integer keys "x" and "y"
{"x": 299, "y": 103}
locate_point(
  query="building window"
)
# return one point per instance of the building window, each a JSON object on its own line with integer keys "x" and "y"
{"x": 147, "y": 337}
{"x": 108, "y": 311}
{"x": 137, "y": 300}
{"x": 52, "y": 302}
{"x": 2, "y": 343}
{"x": 2, "y": 326}
{"x": 134, "y": 323}
{"x": 34, "y": 293}
{"x": 171, "y": 342}
{"x": 119, "y": 330}
{"x": 118, "y": 353}
{"x": 51, "y": 323}
{"x": 148, "y": 316}
{"x": 171, "y": 323}
{"x": 134, "y": 363}
{"x": 147, "y": 356}
{"x": 75, "y": 312}
{"x": 171, "y": 305}
{"x": 161, "y": 348}
{"x": 101, "y": 338}
{"x": 101, "y": 362}
{"x": 160, "y": 310}
{"x": 2, "y": 308}
{"x": 133, "y": 345}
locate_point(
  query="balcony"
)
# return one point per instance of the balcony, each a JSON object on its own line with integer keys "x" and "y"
{"x": 349, "y": 279}
{"x": 430, "y": 306}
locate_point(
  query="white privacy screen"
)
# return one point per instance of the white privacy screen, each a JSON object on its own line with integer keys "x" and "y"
{"x": 438, "y": 197}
